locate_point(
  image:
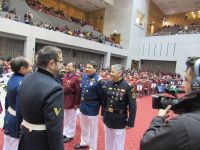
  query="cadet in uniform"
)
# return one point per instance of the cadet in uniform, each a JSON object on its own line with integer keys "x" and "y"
{"x": 72, "y": 91}
{"x": 91, "y": 96}
{"x": 119, "y": 109}
{"x": 12, "y": 120}
{"x": 42, "y": 104}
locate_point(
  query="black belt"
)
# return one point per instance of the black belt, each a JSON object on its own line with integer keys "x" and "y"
{"x": 116, "y": 111}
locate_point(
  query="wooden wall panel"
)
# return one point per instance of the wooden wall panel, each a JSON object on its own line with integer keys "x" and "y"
{"x": 180, "y": 19}
{"x": 156, "y": 15}
{"x": 96, "y": 19}
{"x": 68, "y": 9}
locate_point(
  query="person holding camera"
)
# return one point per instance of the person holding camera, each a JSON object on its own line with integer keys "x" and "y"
{"x": 181, "y": 132}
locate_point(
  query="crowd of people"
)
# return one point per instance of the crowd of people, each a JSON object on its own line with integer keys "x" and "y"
{"x": 60, "y": 89}
{"x": 193, "y": 28}
{"x": 36, "y": 5}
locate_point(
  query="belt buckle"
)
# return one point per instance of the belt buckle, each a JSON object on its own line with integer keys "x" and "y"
{"x": 110, "y": 109}
{"x": 30, "y": 129}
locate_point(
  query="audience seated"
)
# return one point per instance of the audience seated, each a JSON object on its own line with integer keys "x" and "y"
{"x": 35, "y": 4}
{"x": 193, "y": 28}
{"x": 4, "y": 6}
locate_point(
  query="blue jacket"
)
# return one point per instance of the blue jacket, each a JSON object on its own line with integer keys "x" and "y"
{"x": 91, "y": 94}
{"x": 12, "y": 123}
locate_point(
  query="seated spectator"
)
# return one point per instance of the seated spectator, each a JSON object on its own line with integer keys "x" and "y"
{"x": 8, "y": 15}
{"x": 4, "y": 6}
{"x": 16, "y": 19}
{"x": 13, "y": 11}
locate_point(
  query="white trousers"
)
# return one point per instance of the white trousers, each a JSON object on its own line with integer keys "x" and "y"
{"x": 10, "y": 143}
{"x": 69, "y": 123}
{"x": 89, "y": 130}
{"x": 114, "y": 138}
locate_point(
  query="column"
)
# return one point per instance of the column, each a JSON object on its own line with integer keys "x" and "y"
{"x": 107, "y": 58}
{"x": 29, "y": 48}
{"x": 128, "y": 62}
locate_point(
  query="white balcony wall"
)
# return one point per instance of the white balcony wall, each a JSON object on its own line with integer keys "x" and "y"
{"x": 32, "y": 34}
{"x": 171, "y": 48}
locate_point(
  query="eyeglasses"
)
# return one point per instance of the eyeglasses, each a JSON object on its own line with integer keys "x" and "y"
{"x": 60, "y": 61}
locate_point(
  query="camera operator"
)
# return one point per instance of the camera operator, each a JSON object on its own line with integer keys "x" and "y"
{"x": 181, "y": 132}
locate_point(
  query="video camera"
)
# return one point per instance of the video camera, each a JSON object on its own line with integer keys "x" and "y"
{"x": 161, "y": 100}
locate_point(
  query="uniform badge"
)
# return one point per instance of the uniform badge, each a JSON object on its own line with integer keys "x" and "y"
{"x": 57, "y": 111}
{"x": 121, "y": 94}
{"x": 110, "y": 88}
{"x": 123, "y": 90}
{"x": 110, "y": 109}
{"x": 117, "y": 94}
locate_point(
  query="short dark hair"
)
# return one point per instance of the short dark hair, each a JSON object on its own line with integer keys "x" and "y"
{"x": 17, "y": 63}
{"x": 73, "y": 64}
{"x": 93, "y": 63}
{"x": 46, "y": 54}
{"x": 190, "y": 63}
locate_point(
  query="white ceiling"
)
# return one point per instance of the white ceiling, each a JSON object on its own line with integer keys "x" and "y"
{"x": 177, "y": 6}
{"x": 89, "y": 5}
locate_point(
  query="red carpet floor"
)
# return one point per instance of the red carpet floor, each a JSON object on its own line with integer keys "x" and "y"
{"x": 144, "y": 116}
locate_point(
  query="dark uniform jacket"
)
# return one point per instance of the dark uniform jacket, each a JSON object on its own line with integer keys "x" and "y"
{"x": 42, "y": 103}
{"x": 12, "y": 122}
{"x": 119, "y": 106}
{"x": 91, "y": 94}
{"x": 72, "y": 90}
{"x": 179, "y": 133}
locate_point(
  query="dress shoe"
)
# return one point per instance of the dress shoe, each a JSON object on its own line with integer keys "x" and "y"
{"x": 78, "y": 146}
{"x": 67, "y": 139}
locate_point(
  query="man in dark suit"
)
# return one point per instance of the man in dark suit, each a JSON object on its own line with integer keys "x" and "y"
{"x": 42, "y": 104}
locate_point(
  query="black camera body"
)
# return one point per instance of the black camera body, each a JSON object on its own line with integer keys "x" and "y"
{"x": 161, "y": 101}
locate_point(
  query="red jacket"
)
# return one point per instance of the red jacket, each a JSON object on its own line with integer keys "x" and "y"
{"x": 71, "y": 85}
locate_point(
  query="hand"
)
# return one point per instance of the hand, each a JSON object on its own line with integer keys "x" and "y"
{"x": 164, "y": 112}
{"x": 75, "y": 107}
